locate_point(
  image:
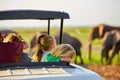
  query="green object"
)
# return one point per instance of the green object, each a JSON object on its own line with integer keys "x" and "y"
{"x": 51, "y": 58}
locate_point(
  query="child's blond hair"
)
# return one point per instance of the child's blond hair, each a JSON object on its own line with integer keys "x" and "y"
{"x": 44, "y": 43}
{"x": 13, "y": 37}
{"x": 65, "y": 51}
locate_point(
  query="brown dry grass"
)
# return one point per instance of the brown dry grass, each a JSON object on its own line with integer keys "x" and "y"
{"x": 109, "y": 72}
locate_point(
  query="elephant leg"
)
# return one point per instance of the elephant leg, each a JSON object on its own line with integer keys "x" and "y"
{"x": 105, "y": 54}
{"x": 81, "y": 58}
{"x": 110, "y": 59}
{"x": 90, "y": 50}
{"x": 75, "y": 60}
{"x": 118, "y": 48}
{"x": 118, "y": 55}
{"x": 115, "y": 51}
{"x": 102, "y": 55}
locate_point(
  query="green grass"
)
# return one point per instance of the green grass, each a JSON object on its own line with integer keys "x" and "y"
{"x": 81, "y": 33}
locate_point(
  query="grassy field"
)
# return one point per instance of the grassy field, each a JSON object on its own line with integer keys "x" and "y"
{"x": 81, "y": 33}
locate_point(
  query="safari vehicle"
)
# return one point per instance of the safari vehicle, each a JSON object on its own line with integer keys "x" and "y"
{"x": 43, "y": 70}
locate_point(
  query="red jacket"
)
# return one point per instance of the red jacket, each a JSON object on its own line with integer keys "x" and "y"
{"x": 9, "y": 51}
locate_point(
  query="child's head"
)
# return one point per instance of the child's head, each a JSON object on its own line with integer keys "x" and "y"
{"x": 44, "y": 43}
{"x": 40, "y": 35}
{"x": 47, "y": 43}
{"x": 65, "y": 51}
{"x": 13, "y": 37}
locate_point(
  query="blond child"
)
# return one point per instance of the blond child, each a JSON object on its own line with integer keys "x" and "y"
{"x": 63, "y": 52}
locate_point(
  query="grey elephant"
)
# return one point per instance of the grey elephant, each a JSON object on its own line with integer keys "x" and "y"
{"x": 111, "y": 41}
{"x": 66, "y": 38}
{"x": 98, "y": 32}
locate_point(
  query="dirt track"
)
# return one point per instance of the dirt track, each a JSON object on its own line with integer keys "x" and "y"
{"x": 109, "y": 72}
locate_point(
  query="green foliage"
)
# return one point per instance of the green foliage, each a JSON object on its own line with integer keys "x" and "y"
{"x": 81, "y": 33}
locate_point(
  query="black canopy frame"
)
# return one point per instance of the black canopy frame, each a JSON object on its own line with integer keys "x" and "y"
{"x": 36, "y": 14}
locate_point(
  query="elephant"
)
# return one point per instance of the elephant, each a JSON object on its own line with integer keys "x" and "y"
{"x": 98, "y": 32}
{"x": 111, "y": 40}
{"x": 66, "y": 38}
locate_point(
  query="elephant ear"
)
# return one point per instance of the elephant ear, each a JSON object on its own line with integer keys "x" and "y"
{"x": 100, "y": 29}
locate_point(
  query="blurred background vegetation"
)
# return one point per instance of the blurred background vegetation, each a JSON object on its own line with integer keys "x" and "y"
{"x": 81, "y": 33}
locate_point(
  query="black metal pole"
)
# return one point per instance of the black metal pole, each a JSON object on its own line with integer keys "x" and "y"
{"x": 61, "y": 30}
{"x": 48, "y": 26}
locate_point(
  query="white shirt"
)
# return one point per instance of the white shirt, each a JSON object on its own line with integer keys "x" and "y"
{"x": 43, "y": 59}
